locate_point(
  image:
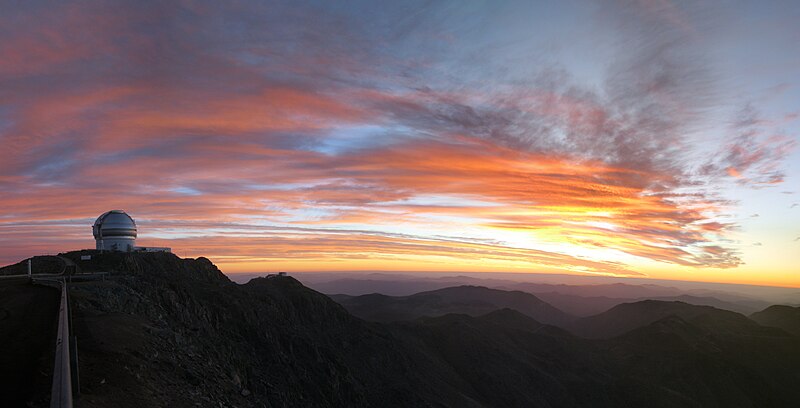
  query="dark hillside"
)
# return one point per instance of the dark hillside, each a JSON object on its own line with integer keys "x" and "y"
{"x": 628, "y": 316}
{"x": 165, "y": 331}
{"x": 744, "y": 365}
{"x": 784, "y": 317}
{"x": 505, "y": 358}
{"x": 27, "y": 340}
{"x": 513, "y": 361}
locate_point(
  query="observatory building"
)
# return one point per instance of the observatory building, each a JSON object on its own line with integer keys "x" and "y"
{"x": 115, "y": 230}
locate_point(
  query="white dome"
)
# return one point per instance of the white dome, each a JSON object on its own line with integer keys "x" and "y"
{"x": 115, "y": 231}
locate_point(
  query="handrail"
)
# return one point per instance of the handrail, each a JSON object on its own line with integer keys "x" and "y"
{"x": 61, "y": 394}
{"x": 41, "y": 275}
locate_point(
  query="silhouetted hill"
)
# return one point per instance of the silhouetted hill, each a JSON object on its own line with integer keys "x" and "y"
{"x": 580, "y": 305}
{"x": 743, "y": 307}
{"x": 590, "y": 305}
{"x": 730, "y": 362}
{"x": 165, "y": 331}
{"x": 576, "y": 300}
{"x": 784, "y": 317}
{"x": 628, "y": 316}
{"x": 469, "y": 300}
{"x": 510, "y": 364}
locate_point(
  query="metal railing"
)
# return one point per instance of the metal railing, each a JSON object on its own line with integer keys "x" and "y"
{"x": 61, "y": 392}
{"x": 31, "y": 275}
{"x": 66, "y": 379}
{"x": 65, "y": 363}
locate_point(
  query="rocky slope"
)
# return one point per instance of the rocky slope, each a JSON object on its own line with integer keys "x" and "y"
{"x": 165, "y": 331}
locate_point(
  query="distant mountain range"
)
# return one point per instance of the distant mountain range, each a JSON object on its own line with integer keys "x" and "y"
{"x": 619, "y": 319}
{"x": 165, "y": 331}
{"x": 628, "y": 316}
{"x": 577, "y": 300}
{"x": 469, "y": 300}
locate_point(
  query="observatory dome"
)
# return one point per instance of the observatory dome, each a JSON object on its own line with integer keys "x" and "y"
{"x": 115, "y": 231}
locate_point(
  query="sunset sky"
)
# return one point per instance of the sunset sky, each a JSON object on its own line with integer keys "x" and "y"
{"x": 645, "y": 138}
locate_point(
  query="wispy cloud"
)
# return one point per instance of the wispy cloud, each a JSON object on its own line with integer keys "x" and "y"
{"x": 273, "y": 132}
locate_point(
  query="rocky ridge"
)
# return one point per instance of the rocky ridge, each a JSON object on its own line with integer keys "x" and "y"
{"x": 165, "y": 331}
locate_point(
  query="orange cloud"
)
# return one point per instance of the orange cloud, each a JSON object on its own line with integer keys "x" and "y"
{"x": 235, "y": 144}
{"x": 553, "y": 200}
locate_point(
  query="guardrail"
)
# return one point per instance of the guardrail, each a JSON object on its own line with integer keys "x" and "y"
{"x": 31, "y": 275}
{"x": 61, "y": 392}
{"x": 65, "y": 361}
{"x": 66, "y": 379}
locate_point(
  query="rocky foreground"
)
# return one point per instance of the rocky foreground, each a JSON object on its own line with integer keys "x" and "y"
{"x": 165, "y": 331}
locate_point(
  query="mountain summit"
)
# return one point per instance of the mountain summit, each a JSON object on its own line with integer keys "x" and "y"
{"x": 166, "y": 331}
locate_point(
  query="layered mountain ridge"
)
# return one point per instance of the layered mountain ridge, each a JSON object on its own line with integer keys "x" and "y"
{"x": 470, "y": 300}
{"x": 165, "y": 331}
